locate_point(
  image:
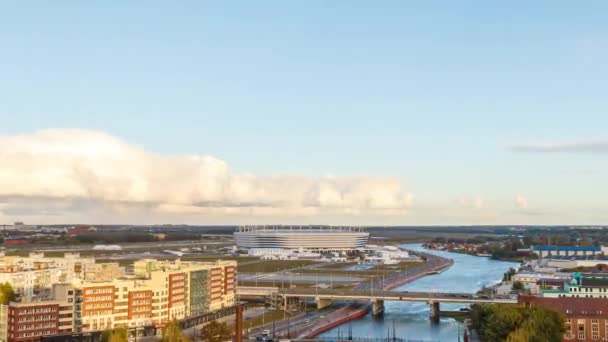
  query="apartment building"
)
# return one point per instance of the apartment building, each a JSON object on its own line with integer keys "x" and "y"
{"x": 28, "y": 322}
{"x": 158, "y": 292}
{"x": 32, "y": 276}
{"x": 103, "y": 271}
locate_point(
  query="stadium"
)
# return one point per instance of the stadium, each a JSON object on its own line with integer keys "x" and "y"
{"x": 326, "y": 238}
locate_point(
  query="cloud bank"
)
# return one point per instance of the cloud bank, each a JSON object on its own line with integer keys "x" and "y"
{"x": 53, "y": 171}
{"x": 521, "y": 202}
{"x": 596, "y": 146}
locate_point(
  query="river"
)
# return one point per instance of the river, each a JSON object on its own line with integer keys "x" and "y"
{"x": 468, "y": 274}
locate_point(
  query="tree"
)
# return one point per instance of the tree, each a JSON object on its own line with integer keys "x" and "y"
{"x": 518, "y": 286}
{"x": 496, "y": 322}
{"x": 172, "y": 332}
{"x": 117, "y": 335}
{"x": 7, "y": 294}
{"x": 216, "y": 332}
{"x": 509, "y": 274}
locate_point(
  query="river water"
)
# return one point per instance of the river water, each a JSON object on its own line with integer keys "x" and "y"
{"x": 410, "y": 319}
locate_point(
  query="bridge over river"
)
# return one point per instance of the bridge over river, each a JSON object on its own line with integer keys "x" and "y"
{"x": 324, "y": 297}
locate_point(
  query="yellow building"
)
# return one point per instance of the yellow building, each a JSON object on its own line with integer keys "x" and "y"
{"x": 159, "y": 292}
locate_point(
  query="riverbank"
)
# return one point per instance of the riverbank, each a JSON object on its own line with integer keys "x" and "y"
{"x": 432, "y": 264}
{"x": 443, "y": 248}
{"x": 335, "y": 319}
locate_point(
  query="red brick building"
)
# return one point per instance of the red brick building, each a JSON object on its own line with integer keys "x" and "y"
{"x": 16, "y": 241}
{"x": 586, "y": 318}
{"x": 29, "y": 323}
{"x": 81, "y": 230}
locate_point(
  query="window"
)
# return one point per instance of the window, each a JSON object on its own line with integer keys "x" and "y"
{"x": 581, "y": 329}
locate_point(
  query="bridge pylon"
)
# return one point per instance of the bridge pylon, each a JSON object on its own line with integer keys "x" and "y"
{"x": 322, "y": 303}
{"x": 377, "y": 307}
{"x": 434, "y": 311}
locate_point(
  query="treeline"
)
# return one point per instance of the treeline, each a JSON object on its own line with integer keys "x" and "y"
{"x": 128, "y": 237}
{"x": 472, "y": 240}
{"x": 511, "y": 323}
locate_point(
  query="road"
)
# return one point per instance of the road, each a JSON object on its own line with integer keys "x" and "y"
{"x": 295, "y": 323}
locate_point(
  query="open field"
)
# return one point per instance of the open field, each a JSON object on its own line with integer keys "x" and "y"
{"x": 378, "y": 271}
{"x": 128, "y": 261}
{"x": 270, "y": 266}
{"x": 334, "y": 266}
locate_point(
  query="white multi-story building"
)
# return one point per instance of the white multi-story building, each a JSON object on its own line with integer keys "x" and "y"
{"x": 318, "y": 238}
{"x": 32, "y": 276}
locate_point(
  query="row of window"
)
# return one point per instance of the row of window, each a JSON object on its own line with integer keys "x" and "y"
{"x": 34, "y": 334}
{"x": 36, "y": 326}
{"x": 588, "y": 289}
{"x": 98, "y": 306}
{"x": 99, "y": 298}
{"x": 37, "y": 310}
{"x": 107, "y": 290}
{"x": 35, "y": 318}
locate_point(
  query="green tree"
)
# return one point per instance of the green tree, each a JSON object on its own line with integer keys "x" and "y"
{"x": 172, "y": 332}
{"x": 495, "y": 322}
{"x": 518, "y": 286}
{"x": 7, "y": 294}
{"x": 117, "y": 335}
{"x": 216, "y": 332}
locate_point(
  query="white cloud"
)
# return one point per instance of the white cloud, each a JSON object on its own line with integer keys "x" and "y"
{"x": 81, "y": 166}
{"x": 590, "y": 146}
{"x": 476, "y": 202}
{"x": 521, "y": 202}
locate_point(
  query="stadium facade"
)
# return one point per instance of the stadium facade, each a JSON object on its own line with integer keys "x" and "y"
{"x": 323, "y": 238}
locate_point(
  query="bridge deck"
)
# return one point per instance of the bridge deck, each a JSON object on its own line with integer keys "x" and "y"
{"x": 442, "y": 297}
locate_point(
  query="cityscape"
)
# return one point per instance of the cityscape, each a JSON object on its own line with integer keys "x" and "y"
{"x": 306, "y": 171}
{"x": 300, "y": 282}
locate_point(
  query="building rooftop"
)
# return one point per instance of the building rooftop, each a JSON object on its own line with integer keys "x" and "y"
{"x": 584, "y": 307}
{"x": 594, "y": 282}
{"x": 309, "y": 228}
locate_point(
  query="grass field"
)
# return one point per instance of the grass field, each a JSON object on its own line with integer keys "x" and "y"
{"x": 269, "y": 266}
{"x": 374, "y": 272}
{"x": 341, "y": 265}
{"x": 129, "y": 261}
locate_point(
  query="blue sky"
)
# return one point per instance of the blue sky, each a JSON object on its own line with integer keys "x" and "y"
{"x": 434, "y": 94}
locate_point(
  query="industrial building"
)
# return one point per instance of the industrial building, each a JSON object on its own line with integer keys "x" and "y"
{"x": 545, "y": 251}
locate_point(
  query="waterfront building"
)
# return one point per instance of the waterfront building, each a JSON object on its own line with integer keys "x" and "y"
{"x": 548, "y": 251}
{"x": 317, "y": 238}
{"x": 531, "y": 278}
{"x": 581, "y": 286}
{"x": 586, "y": 318}
{"x": 574, "y": 262}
